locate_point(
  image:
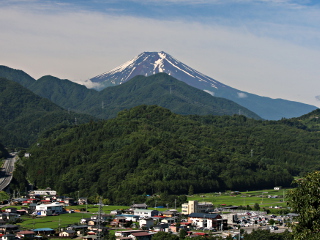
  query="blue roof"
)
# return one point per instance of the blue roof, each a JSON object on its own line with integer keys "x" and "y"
{"x": 43, "y": 229}
{"x": 127, "y": 215}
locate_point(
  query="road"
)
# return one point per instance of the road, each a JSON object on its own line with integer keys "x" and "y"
{"x": 7, "y": 171}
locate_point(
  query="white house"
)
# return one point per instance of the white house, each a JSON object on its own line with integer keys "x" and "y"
{"x": 146, "y": 222}
{"x": 145, "y": 212}
{"x": 43, "y": 192}
{"x": 49, "y": 209}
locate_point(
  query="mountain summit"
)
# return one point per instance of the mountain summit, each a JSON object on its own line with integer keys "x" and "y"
{"x": 149, "y": 63}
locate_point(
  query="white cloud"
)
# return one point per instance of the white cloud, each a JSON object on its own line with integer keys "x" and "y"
{"x": 242, "y": 95}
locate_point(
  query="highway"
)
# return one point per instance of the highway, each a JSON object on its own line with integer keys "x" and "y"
{"x": 7, "y": 171}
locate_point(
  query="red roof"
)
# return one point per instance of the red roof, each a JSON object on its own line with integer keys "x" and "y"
{"x": 200, "y": 233}
{"x": 139, "y": 234}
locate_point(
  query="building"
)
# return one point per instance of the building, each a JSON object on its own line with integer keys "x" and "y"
{"x": 145, "y": 212}
{"x": 146, "y": 223}
{"x": 196, "y": 207}
{"x": 139, "y": 206}
{"x": 49, "y": 209}
{"x": 203, "y": 220}
{"x": 43, "y": 192}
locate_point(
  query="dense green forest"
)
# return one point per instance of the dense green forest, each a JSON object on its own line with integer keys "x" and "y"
{"x": 3, "y": 152}
{"x": 24, "y": 115}
{"x": 149, "y": 149}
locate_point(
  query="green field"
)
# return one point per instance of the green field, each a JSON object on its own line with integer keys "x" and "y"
{"x": 64, "y": 220}
{"x": 54, "y": 222}
{"x": 244, "y": 198}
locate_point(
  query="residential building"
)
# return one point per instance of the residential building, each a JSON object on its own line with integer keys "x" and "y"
{"x": 145, "y": 212}
{"x": 139, "y": 206}
{"x": 203, "y": 220}
{"x": 49, "y": 209}
{"x": 146, "y": 223}
{"x": 196, "y": 207}
{"x": 43, "y": 192}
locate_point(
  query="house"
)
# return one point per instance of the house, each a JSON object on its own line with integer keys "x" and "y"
{"x": 49, "y": 209}
{"x": 131, "y": 233}
{"x": 69, "y": 201}
{"x": 139, "y": 206}
{"x": 67, "y": 233}
{"x": 85, "y": 220}
{"x": 9, "y": 217}
{"x": 8, "y": 237}
{"x": 146, "y": 223}
{"x": 277, "y": 188}
{"x": 141, "y": 236}
{"x": 196, "y": 207}
{"x": 130, "y": 217}
{"x": 116, "y": 212}
{"x": 44, "y": 231}
{"x": 79, "y": 229}
{"x": 168, "y": 220}
{"x": 127, "y": 233}
{"x": 207, "y": 220}
{"x": 32, "y": 208}
{"x": 118, "y": 222}
{"x": 162, "y": 227}
{"x": 43, "y": 192}
{"x": 11, "y": 210}
{"x": 6, "y": 229}
{"x": 82, "y": 201}
{"x": 26, "y": 234}
{"x": 170, "y": 213}
{"x": 145, "y": 212}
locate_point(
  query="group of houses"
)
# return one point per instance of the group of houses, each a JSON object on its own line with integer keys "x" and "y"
{"x": 194, "y": 216}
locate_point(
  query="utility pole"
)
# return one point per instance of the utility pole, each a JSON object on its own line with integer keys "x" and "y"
{"x": 99, "y": 219}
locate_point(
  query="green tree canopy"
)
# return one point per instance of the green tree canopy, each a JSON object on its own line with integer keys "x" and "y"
{"x": 305, "y": 200}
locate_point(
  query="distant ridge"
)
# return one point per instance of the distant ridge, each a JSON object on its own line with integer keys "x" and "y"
{"x": 148, "y": 63}
{"x": 160, "y": 89}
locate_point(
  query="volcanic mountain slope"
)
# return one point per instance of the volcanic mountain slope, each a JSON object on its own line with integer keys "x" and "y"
{"x": 149, "y": 63}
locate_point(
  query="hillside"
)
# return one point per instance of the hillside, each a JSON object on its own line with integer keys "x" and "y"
{"x": 16, "y": 75}
{"x": 3, "y": 152}
{"x": 24, "y": 115}
{"x": 160, "y": 89}
{"x": 149, "y": 149}
{"x": 62, "y": 92}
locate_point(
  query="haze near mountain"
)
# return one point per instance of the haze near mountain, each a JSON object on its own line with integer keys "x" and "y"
{"x": 149, "y": 63}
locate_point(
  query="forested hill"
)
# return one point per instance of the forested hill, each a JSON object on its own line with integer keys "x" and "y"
{"x": 3, "y": 152}
{"x": 159, "y": 89}
{"x": 165, "y": 91}
{"x": 24, "y": 115}
{"x": 149, "y": 149}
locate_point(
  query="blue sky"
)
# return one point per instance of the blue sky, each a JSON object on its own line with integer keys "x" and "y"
{"x": 266, "y": 47}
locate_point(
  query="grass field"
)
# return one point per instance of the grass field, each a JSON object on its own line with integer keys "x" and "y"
{"x": 244, "y": 198}
{"x": 64, "y": 220}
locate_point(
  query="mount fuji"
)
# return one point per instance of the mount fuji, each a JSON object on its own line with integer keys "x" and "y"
{"x": 149, "y": 63}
